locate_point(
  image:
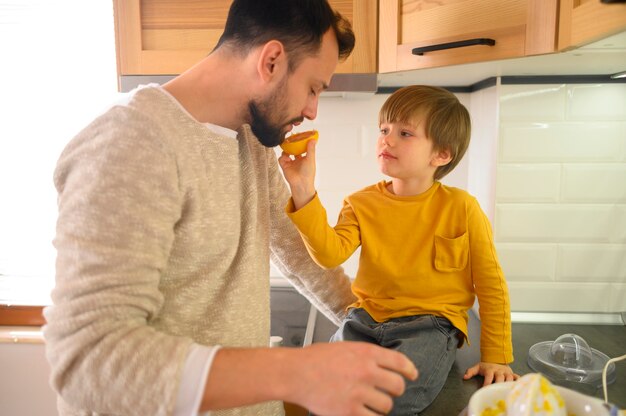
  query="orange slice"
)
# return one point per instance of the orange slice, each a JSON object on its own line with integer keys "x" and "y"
{"x": 296, "y": 143}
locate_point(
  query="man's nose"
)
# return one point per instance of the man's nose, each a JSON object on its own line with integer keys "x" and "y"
{"x": 310, "y": 111}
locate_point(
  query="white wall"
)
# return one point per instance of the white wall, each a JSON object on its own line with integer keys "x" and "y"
{"x": 481, "y": 175}
{"x": 561, "y": 196}
{"x": 24, "y": 373}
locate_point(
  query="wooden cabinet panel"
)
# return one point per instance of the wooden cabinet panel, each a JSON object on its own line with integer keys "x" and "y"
{"x": 157, "y": 37}
{"x": 519, "y": 28}
{"x": 585, "y": 21}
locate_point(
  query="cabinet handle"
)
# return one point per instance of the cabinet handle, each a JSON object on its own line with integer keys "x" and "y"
{"x": 451, "y": 45}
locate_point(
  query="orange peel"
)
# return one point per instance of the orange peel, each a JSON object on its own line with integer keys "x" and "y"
{"x": 296, "y": 143}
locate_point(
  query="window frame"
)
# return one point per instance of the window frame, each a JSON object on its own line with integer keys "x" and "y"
{"x": 20, "y": 315}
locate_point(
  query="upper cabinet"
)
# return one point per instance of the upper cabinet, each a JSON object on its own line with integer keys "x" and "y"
{"x": 165, "y": 37}
{"x": 450, "y": 32}
{"x": 156, "y": 37}
{"x": 585, "y": 21}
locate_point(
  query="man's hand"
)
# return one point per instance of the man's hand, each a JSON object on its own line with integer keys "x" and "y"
{"x": 350, "y": 378}
{"x": 340, "y": 378}
{"x": 492, "y": 372}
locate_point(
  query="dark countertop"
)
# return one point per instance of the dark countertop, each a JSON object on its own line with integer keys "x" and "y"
{"x": 610, "y": 339}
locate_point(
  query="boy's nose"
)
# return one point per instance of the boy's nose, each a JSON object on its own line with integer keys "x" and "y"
{"x": 387, "y": 140}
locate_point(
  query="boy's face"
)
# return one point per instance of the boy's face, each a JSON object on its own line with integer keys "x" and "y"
{"x": 405, "y": 152}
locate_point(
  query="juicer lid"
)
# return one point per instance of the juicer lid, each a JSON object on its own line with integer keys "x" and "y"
{"x": 570, "y": 359}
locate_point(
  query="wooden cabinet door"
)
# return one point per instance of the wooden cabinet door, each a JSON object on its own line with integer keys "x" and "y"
{"x": 518, "y": 27}
{"x": 585, "y": 21}
{"x": 166, "y": 37}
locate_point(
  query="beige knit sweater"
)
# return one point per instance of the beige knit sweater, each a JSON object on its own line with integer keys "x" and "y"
{"x": 164, "y": 238}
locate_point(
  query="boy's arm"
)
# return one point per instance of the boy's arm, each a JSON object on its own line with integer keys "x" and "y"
{"x": 491, "y": 289}
{"x": 496, "y": 348}
{"x": 327, "y": 246}
{"x": 300, "y": 175}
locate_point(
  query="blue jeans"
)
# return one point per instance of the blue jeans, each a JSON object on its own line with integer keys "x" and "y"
{"x": 429, "y": 341}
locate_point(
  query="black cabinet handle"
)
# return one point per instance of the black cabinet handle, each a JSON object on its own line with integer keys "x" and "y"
{"x": 452, "y": 45}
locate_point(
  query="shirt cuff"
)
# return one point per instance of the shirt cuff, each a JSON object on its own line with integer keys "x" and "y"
{"x": 290, "y": 208}
{"x": 193, "y": 380}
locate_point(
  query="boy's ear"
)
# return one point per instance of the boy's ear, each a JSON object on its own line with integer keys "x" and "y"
{"x": 441, "y": 157}
{"x": 272, "y": 60}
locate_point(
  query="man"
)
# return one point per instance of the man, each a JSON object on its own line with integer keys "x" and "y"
{"x": 170, "y": 208}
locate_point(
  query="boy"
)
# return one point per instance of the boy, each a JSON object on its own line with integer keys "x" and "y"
{"x": 426, "y": 248}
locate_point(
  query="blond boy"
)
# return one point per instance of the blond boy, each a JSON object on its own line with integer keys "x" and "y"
{"x": 426, "y": 248}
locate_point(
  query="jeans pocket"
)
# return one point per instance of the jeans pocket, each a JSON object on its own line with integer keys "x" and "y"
{"x": 446, "y": 328}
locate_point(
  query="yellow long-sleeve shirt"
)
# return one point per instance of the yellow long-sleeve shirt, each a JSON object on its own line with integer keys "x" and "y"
{"x": 424, "y": 254}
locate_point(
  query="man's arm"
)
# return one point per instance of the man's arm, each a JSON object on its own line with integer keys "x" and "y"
{"x": 344, "y": 378}
{"x": 327, "y": 289}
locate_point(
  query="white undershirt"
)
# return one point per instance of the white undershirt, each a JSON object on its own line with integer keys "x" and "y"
{"x": 193, "y": 380}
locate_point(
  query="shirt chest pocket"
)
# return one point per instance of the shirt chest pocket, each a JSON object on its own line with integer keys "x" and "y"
{"x": 451, "y": 254}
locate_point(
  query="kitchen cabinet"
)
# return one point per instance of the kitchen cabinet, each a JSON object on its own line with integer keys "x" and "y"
{"x": 585, "y": 21}
{"x": 165, "y": 37}
{"x": 518, "y": 27}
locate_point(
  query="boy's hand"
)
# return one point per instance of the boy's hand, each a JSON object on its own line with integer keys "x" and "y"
{"x": 300, "y": 174}
{"x": 492, "y": 372}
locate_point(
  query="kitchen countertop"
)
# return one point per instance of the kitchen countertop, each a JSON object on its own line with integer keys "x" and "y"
{"x": 609, "y": 339}
{"x": 21, "y": 335}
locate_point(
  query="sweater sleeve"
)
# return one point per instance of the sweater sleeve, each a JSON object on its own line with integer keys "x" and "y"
{"x": 328, "y": 290}
{"x": 328, "y": 246}
{"x": 118, "y": 203}
{"x": 491, "y": 289}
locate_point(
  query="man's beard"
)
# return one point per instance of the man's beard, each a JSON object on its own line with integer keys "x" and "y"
{"x": 262, "y": 113}
{"x": 269, "y": 134}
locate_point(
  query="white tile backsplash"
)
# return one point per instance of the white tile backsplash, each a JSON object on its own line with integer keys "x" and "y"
{"x": 592, "y": 263}
{"x": 595, "y": 183}
{"x": 564, "y": 297}
{"x": 595, "y": 102}
{"x": 514, "y": 259}
{"x": 617, "y": 300}
{"x": 553, "y": 223}
{"x": 533, "y": 102}
{"x": 570, "y": 141}
{"x": 560, "y": 223}
{"x": 525, "y": 183}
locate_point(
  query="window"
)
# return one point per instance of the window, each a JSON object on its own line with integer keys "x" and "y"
{"x": 58, "y": 72}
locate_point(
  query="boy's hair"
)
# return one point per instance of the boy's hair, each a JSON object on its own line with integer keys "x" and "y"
{"x": 446, "y": 120}
{"x": 298, "y": 24}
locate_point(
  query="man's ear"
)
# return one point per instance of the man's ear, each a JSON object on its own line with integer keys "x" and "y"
{"x": 272, "y": 60}
{"x": 441, "y": 157}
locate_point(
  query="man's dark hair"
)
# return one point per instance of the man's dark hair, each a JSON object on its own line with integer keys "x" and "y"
{"x": 298, "y": 24}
